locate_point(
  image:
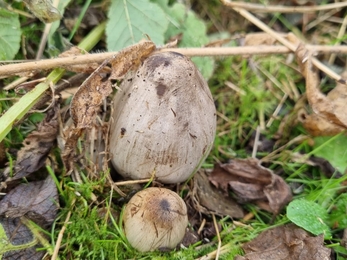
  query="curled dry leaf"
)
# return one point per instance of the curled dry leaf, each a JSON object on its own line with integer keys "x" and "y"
{"x": 37, "y": 145}
{"x": 285, "y": 242}
{"x": 44, "y": 10}
{"x": 331, "y": 107}
{"x": 251, "y": 182}
{"x": 208, "y": 199}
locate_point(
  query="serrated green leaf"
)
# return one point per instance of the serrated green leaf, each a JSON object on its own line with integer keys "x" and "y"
{"x": 193, "y": 30}
{"x": 9, "y": 34}
{"x": 333, "y": 149}
{"x": 130, "y": 20}
{"x": 310, "y": 216}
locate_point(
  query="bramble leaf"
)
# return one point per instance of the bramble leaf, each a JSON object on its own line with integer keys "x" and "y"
{"x": 131, "y": 20}
{"x": 10, "y": 34}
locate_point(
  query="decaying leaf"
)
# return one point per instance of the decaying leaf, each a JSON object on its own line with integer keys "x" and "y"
{"x": 44, "y": 10}
{"x": 17, "y": 241}
{"x": 330, "y": 107}
{"x": 318, "y": 126}
{"x": 249, "y": 181}
{"x": 209, "y": 199}
{"x": 285, "y": 243}
{"x": 35, "y": 200}
{"x": 37, "y": 145}
{"x": 88, "y": 98}
{"x": 90, "y": 95}
{"x": 130, "y": 58}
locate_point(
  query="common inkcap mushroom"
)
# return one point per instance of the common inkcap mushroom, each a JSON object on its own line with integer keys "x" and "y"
{"x": 164, "y": 120}
{"x": 155, "y": 218}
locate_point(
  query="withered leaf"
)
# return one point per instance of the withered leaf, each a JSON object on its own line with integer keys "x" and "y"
{"x": 44, "y": 10}
{"x": 318, "y": 126}
{"x": 285, "y": 242}
{"x": 212, "y": 199}
{"x": 330, "y": 107}
{"x": 35, "y": 200}
{"x": 88, "y": 98}
{"x": 250, "y": 181}
{"x": 17, "y": 241}
{"x": 37, "y": 145}
{"x": 130, "y": 58}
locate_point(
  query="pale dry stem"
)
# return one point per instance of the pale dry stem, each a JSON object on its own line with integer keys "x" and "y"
{"x": 20, "y": 68}
{"x": 287, "y": 43}
{"x": 261, "y": 8}
{"x": 61, "y": 233}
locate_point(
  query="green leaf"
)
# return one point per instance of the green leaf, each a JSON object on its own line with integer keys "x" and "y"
{"x": 310, "y": 216}
{"x": 333, "y": 149}
{"x": 10, "y": 34}
{"x": 193, "y": 30}
{"x": 55, "y": 40}
{"x": 130, "y": 21}
{"x": 338, "y": 214}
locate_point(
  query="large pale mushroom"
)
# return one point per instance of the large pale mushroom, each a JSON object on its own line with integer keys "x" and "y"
{"x": 164, "y": 120}
{"x": 155, "y": 218}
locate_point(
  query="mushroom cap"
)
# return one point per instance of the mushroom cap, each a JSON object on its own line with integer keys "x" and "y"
{"x": 155, "y": 218}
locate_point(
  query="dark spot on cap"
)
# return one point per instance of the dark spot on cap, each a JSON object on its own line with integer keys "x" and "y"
{"x": 161, "y": 88}
{"x": 122, "y": 132}
{"x": 164, "y": 205}
{"x": 155, "y": 61}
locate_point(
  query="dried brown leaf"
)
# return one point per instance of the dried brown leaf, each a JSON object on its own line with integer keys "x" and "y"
{"x": 318, "y": 126}
{"x": 252, "y": 182}
{"x": 35, "y": 200}
{"x": 285, "y": 242}
{"x": 213, "y": 200}
{"x": 331, "y": 107}
{"x": 88, "y": 98}
{"x": 18, "y": 234}
{"x": 129, "y": 58}
{"x": 37, "y": 145}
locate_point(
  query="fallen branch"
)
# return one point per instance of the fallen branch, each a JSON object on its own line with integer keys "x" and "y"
{"x": 260, "y": 8}
{"x": 12, "y": 69}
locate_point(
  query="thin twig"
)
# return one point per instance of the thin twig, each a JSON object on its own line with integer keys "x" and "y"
{"x": 120, "y": 183}
{"x": 218, "y": 236}
{"x": 287, "y": 43}
{"x": 256, "y": 142}
{"x": 341, "y": 33}
{"x": 12, "y": 69}
{"x": 260, "y": 8}
{"x": 61, "y": 233}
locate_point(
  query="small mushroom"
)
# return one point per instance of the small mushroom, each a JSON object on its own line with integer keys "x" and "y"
{"x": 155, "y": 218}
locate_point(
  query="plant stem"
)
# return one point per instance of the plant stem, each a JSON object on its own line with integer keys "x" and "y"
{"x": 19, "y": 109}
{"x": 6, "y": 70}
